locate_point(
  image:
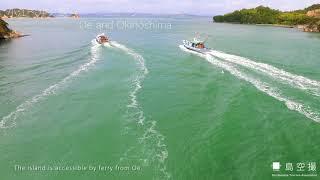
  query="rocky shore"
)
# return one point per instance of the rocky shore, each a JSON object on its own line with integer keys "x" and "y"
{"x": 6, "y": 32}
{"x": 313, "y": 26}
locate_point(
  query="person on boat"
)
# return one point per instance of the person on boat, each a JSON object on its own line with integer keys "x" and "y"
{"x": 201, "y": 45}
{"x": 103, "y": 39}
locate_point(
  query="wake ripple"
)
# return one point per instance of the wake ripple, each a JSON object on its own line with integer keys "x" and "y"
{"x": 152, "y": 140}
{"x": 262, "y": 86}
{"x": 11, "y": 118}
{"x": 309, "y": 85}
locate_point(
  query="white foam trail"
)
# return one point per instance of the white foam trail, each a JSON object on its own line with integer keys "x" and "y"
{"x": 138, "y": 80}
{"x": 297, "y": 81}
{"x": 264, "y": 87}
{"x": 49, "y": 91}
{"x": 151, "y": 136}
{"x": 136, "y": 56}
{"x": 107, "y": 45}
{"x": 95, "y": 43}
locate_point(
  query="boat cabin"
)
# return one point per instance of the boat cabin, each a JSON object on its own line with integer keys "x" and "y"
{"x": 199, "y": 45}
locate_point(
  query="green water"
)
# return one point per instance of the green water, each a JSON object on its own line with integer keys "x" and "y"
{"x": 146, "y": 103}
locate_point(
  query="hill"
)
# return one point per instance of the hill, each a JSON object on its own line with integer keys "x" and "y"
{"x": 13, "y": 13}
{"x": 308, "y": 17}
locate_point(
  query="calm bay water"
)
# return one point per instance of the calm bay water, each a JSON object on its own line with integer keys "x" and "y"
{"x": 151, "y": 106}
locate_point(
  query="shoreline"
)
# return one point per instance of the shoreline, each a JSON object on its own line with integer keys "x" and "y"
{"x": 301, "y": 27}
{"x": 268, "y": 25}
{"x": 277, "y": 25}
{"x": 42, "y": 18}
{"x": 14, "y": 35}
{"x": 26, "y": 17}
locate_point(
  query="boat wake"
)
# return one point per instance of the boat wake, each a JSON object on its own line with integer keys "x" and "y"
{"x": 228, "y": 63}
{"x": 10, "y": 120}
{"x": 152, "y": 149}
{"x": 309, "y": 85}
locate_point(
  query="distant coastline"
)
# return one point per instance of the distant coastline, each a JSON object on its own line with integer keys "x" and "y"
{"x": 270, "y": 25}
{"x": 307, "y": 19}
{"x": 24, "y": 13}
{"x": 37, "y": 14}
{"x": 7, "y": 33}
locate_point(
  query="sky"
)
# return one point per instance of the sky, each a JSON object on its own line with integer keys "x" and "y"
{"x": 196, "y": 7}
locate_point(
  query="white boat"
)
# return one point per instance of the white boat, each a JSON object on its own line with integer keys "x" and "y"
{"x": 102, "y": 38}
{"x": 197, "y": 46}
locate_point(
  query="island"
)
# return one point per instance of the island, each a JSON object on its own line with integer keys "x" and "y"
{"x": 307, "y": 19}
{"x": 27, "y": 13}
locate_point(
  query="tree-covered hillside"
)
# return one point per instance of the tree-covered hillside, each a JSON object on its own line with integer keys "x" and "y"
{"x": 24, "y": 13}
{"x": 266, "y": 15}
{"x": 313, "y": 7}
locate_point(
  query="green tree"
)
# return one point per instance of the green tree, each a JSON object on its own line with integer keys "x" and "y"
{"x": 266, "y": 15}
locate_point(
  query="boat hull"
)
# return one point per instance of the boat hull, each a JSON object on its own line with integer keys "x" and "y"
{"x": 187, "y": 44}
{"x": 203, "y": 51}
{"x": 100, "y": 42}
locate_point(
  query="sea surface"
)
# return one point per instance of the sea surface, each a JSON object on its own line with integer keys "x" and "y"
{"x": 146, "y": 108}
